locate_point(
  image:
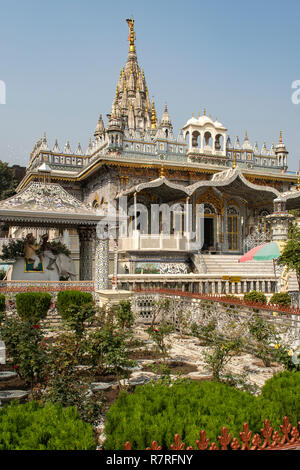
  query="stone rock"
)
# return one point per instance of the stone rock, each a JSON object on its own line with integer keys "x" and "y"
{"x": 97, "y": 386}
{"x": 8, "y": 395}
{"x": 197, "y": 375}
{"x": 141, "y": 378}
{"x": 7, "y": 375}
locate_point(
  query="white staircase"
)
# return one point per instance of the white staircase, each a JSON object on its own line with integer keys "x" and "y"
{"x": 228, "y": 265}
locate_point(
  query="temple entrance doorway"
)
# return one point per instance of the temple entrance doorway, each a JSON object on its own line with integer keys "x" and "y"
{"x": 209, "y": 239}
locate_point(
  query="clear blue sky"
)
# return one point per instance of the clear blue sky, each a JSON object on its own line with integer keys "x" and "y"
{"x": 61, "y": 61}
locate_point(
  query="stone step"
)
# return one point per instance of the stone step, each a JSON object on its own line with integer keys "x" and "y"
{"x": 9, "y": 395}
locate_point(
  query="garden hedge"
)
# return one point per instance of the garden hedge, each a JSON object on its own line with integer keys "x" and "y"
{"x": 255, "y": 296}
{"x": 68, "y": 298}
{"x": 51, "y": 427}
{"x": 33, "y": 306}
{"x": 281, "y": 298}
{"x": 158, "y": 412}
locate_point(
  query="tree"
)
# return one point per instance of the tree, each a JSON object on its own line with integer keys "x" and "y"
{"x": 8, "y": 182}
{"x": 290, "y": 256}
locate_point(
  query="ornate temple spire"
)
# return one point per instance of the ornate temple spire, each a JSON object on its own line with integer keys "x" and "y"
{"x": 132, "y": 90}
{"x": 153, "y": 117}
{"x": 100, "y": 127}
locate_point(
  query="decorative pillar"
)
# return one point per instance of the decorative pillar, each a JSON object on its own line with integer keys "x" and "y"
{"x": 86, "y": 237}
{"x": 115, "y": 276}
{"x": 101, "y": 264}
{"x": 280, "y": 220}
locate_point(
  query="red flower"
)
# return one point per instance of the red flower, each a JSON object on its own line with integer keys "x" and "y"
{"x": 37, "y": 327}
{"x": 156, "y": 331}
{"x": 16, "y": 367}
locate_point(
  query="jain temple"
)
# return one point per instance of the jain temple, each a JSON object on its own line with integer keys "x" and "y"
{"x": 180, "y": 208}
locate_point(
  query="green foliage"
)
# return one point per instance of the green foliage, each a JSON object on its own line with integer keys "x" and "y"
{"x": 290, "y": 257}
{"x": 78, "y": 316}
{"x": 106, "y": 348}
{"x": 8, "y": 182}
{"x": 263, "y": 335}
{"x": 68, "y": 298}
{"x": 68, "y": 390}
{"x": 284, "y": 389}
{"x": 220, "y": 353}
{"x": 50, "y": 427}
{"x": 205, "y": 331}
{"x": 33, "y": 306}
{"x": 255, "y": 297}
{"x": 281, "y": 298}
{"x": 159, "y": 335}
{"x": 158, "y": 412}
{"x": 58, "y": 248}
{"x": 2, "y": 274}
{"x": 284, "y": 356}
{"x": 15, "y": 249}
{"x": 124, "y": 314}
{"x": 25, "y": 345}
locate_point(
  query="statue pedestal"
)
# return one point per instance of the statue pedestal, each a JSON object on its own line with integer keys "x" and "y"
{"x": 112, "y": 296}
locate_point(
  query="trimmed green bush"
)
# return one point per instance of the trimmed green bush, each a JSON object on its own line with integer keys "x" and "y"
{"x": 33, "y": 306}
{"x": 255, "y": 296}
{"x": 50, "y": 427}
{"x": 158, "y": 412}
{"x": 281, "y": 298}
{"x": 284, "y": 388}
{"x": 68, "y": 298}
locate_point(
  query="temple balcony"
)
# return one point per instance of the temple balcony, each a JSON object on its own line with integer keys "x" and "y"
{"x": 148, "y": 242}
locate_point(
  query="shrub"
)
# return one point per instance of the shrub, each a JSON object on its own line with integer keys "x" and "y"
{"x": 25, "y": 345}
{"x": 67, "y": 390}
{"x": 33, "y": 306}
{"x": 255, "y": 297}
{"x": 77, "y": 315}
{"x": 71, "y": 297}
{"x": 124, "y": 314}
{"x": 263, "y": 335}
{"x": 281, "y": 298}
{"x": 50, "y": 427}
{"x": 159, "y": 335}
{"x": 284, "y": 388}
{"x": 157, "y": 412}
{"x": 106, "y": 348}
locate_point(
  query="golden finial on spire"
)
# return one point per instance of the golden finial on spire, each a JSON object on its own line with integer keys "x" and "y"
{"x": 246, "y": 135}
{"x": 280, "y": 138}
{"x": 199, "y": 114}
{"x": 131, "y": 36}
{"x": 153, "y": 117}
{"x": 204, "y": 112}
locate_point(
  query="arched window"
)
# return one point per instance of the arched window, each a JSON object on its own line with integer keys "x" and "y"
{"x": 207, "y": 141}
{"x": 219, "y": 140}
{"x": 195, "y": 137}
